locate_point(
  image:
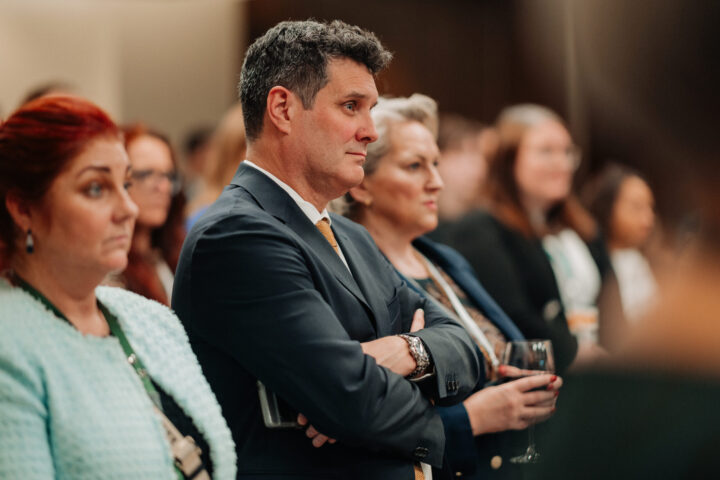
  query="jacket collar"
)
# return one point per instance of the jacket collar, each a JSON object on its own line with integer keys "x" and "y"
{"x": 274, "y": 200}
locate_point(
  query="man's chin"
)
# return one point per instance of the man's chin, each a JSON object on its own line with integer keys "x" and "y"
{"x": 352, "y": 177}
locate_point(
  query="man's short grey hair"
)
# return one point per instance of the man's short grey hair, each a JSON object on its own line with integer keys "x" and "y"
{"x": 295, "y": 55}
{"x": 388, "y": 113}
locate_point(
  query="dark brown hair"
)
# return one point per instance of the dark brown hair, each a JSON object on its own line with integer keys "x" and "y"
{"x": 295, "y": 54}
{"x": 601, "y": 193}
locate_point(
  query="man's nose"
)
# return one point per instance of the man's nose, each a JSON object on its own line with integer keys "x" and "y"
{"x": 367, "y": 133}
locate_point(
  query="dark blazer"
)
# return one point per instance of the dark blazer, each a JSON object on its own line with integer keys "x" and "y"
{"x": 264, "y": 296}
{"x": 469, "y": 457}
{"x": 516, "y": 272}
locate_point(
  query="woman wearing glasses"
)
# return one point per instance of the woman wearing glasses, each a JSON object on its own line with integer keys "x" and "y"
{"x": 159, "y": 230}
{"x": 537, "y": 252}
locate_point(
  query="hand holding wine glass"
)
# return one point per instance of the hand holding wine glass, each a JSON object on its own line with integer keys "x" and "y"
{"x": 529, "y": 358}
{"x": 514, "y": 404}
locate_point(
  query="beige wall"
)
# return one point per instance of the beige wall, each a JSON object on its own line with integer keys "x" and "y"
{"x": 172, "y": 64}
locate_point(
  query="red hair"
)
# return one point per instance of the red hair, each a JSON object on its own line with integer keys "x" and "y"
{"x": 37, "y": 142}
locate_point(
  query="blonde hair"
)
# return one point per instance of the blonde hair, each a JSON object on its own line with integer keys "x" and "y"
{"x": 227, "y": 148}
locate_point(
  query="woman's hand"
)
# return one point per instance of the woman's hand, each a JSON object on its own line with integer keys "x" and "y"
{"x": 514, "y": 405}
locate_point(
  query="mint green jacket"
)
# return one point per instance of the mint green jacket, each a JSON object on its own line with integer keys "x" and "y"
{"x": 71, "y": 407}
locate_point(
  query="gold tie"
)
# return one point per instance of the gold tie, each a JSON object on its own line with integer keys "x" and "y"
{"x": 419, "y": 475}
{"x": 324, "y": 226}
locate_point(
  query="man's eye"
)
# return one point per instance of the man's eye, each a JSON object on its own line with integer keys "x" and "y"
{"x": 350, "y": 106}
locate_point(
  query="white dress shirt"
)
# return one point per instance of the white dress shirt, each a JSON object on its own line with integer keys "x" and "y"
{"x": 308, "y": 208}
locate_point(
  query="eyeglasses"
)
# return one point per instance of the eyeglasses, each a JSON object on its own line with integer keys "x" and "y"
{"x": 151, "y": 178}
{"x": 547, "y": 152}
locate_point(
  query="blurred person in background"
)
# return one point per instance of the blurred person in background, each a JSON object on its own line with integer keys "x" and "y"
{"x": 159, "y": 229}
{"x": 465, "y": 145}
{"x": 91, "y": 378}
{"x": 195, "y": 148}
{"x": 49, "y": 88}
{"x": 535, "y": 249}
{"x": 398, "y": 203}
{"x": 651, "y": 410}
{"x": 226, "y": 151}
{"x": 622, "y": 202}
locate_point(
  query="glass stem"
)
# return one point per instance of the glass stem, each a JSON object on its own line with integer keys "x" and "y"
{"x": 531, "y": 437}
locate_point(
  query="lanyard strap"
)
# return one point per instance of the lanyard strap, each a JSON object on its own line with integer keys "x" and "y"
{"x": 38, "y": 296}
{"x": 132, "y": 359}
{"x": 185, "y": 452}
{"x": 114, "y": 325}
{"x": 462, "y": 314}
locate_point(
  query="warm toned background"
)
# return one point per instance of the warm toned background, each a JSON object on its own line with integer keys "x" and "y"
{"x": 174, "y": 63}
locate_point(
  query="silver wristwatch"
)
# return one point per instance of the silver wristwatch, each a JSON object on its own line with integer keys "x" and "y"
{"x": 419, "y": 353}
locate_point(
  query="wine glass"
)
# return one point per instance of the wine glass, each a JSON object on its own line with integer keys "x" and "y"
{"x": 535, "y": 356}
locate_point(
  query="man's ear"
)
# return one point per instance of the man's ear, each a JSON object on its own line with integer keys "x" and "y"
{"x": 19, "y": 210}
{"x": 281, "y": 104}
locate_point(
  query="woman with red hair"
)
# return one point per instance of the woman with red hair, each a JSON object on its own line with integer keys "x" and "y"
{"x": 95, "y": 382}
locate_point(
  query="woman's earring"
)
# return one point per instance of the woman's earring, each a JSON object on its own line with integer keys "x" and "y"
{"x": 29, "y": 242}
{"x": 368, "y": 202}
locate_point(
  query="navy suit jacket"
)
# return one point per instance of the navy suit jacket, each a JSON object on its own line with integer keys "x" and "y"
{"x": 264, "y": 296}
{"x": 469, "y": 457}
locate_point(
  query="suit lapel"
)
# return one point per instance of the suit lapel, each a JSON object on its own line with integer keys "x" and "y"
{"x": 278, "y": 203}
{"x": 367, "y": 282}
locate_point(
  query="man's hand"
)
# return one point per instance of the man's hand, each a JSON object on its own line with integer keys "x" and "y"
{"x": 390, "y": 352}
{"x": 318, "y": 439}
{"x": 393, "y": 352}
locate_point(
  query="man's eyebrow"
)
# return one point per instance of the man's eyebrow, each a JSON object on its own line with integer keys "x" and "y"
{"x": 355, "y": 94}
{"x": 94, "y": 167}
{"x": 359, "y": 96}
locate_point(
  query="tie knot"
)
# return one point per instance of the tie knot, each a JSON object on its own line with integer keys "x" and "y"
{"x": 324, "y": 226}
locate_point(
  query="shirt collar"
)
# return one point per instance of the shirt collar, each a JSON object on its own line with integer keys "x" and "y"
{"x": 308, "y": 208}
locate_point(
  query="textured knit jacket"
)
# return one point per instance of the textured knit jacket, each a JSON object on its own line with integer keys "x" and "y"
{"x": 71, "y": 407}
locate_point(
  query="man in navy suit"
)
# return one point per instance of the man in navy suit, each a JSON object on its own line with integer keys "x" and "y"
{"x": 272, "y": 288}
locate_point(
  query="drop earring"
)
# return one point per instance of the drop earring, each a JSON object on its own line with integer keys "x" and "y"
{"x": 29, "y": 242}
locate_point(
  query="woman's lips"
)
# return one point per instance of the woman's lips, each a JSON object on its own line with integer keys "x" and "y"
{"x": 431, "y": 204}
{"x": 123, "y": 238}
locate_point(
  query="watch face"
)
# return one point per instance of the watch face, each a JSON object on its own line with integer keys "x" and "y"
{"x": 417, "y": 350}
